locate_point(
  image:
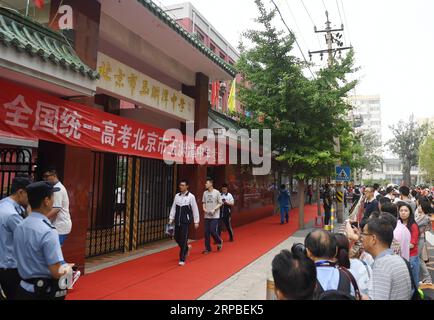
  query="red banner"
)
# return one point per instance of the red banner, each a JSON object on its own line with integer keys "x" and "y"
{"x": 31, "y": 114}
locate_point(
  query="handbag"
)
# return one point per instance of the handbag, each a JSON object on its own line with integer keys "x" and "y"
{"x": 169, "y": 230}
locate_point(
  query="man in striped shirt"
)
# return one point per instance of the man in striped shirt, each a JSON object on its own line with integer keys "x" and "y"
{"x": 390, "y": 275}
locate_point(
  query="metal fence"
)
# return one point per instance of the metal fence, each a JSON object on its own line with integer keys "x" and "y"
{"x": 13, "y": 162}
{"x": 130, "y": 203}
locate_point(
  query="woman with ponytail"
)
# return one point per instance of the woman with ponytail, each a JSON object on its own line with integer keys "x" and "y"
{"x": 358, "y": 268}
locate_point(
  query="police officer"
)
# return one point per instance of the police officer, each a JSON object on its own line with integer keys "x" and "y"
{"x": 11, "y": 215}
{"x": 37, "y": 248}
{"x": 183, "y": 212}
{"x": 225, "y": 212}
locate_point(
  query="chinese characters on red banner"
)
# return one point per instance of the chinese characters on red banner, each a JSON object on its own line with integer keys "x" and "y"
{"x": 31, "y": 114}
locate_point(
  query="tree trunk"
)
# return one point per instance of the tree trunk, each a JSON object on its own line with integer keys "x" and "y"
{"x": 406, "y": 174}
{"x": 301, "y": 204}
{"x": 318, "y": 196}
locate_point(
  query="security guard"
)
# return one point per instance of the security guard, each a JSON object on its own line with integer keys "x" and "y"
{"x": 11, "y": 215}
{"x": 37, "y": 248}
{"x": 183, "y": 212}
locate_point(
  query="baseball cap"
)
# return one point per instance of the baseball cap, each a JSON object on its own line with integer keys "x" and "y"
{"x": 20, "y": 183}
{"x": 40, "y": 190}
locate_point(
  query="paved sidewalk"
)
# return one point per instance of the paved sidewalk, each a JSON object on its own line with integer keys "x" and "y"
{"x": 250, "y": 282}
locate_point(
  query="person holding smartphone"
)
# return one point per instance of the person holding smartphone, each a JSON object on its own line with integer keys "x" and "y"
{"x": 225, "y": 212}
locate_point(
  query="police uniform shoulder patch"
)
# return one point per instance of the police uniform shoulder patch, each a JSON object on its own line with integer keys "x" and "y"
{"x": 49, "y": 224}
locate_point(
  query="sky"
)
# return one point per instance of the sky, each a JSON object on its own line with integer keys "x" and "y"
{"x": 393, "y": 42}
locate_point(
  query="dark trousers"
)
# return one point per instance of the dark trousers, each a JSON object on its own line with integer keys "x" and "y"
{"x": 181, "y": 237}
{"x": 10, "y": 281}
{"x": 226, "y": 221}
{"x": 211, "y": 229}
{"x": 328, "y": 214}
{"x": 24, "y": 295}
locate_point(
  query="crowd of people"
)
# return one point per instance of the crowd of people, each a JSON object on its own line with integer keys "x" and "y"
{"x": 380, "y": 253}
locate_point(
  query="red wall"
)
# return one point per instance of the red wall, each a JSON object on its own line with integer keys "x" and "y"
{"x": 78, "y": 175}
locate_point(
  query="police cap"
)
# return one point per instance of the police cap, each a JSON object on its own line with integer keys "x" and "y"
{"x": 37, "y": 191}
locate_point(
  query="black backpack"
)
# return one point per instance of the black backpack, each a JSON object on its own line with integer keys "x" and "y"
{"x": 343, "y": 292}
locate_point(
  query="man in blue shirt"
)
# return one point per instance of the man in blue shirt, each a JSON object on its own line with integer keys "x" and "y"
{"x": 11, "y": 212}
{"x": 37, "y": 248}
{"x": 284, "y": 202}
{"x": 321, "y": 248}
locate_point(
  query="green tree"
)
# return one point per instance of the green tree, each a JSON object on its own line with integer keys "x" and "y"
{"x": 426, "y": 157}
{"x": 367, "y": 153}
{"x": 304, "y": 114}
{"x": 408, "y": 137}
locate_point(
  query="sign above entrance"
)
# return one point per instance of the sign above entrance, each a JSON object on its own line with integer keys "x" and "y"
{"x": 137, "y": 87}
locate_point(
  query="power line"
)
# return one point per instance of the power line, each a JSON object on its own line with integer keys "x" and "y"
{"x": 296, "y": 24}
{"x": 324, "y": 5}
{"x": 313, "y": 23}
{"x": 346, "y": 22}
{"x": 342, "y": 22}
{"x": 339, "y": 10}
{"x": 295, "y": 39}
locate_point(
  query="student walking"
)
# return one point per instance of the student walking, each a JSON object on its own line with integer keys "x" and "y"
{"x": 212, "y": 202}
{"x": 225, "y": 212}
{"x": 183, "y": 212}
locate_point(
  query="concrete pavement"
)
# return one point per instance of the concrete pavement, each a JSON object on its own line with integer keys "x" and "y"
{"x": 250, "y": 282}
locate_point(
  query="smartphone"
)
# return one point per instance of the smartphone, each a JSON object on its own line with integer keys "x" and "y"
{"x": 355, "y": 224}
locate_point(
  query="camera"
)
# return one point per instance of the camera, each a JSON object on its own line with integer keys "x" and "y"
{"x": 298, "y": 249}
{"x": 354, "y": 224}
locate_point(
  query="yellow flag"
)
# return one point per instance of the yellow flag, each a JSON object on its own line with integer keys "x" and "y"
{"x": 232, "y": 97}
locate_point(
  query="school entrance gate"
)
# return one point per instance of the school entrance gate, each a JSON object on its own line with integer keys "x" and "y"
{"x": 129, "y": 202}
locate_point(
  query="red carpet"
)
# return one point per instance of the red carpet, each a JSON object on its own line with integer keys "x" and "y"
{"x": 158, "y": 276}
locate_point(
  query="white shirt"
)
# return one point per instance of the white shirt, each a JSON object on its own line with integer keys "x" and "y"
{"x": 228, "y": 197}
{"x": 362, "y": 273}
{"x": 185, "y": 199}
{"x": 211, "y": 200}
{"x": 63, "y": 221}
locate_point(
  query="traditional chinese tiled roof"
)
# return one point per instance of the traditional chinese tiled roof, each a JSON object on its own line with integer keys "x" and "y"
{"x": 29, "y": 36}
{"x": 163, "y": 16}
{"x": 223, "y": 120}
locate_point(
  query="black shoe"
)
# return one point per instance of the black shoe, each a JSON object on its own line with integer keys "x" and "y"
{"x": 205, "y": 252}
{"x": 231, "y": 239}
{"x": 220, "y": 246}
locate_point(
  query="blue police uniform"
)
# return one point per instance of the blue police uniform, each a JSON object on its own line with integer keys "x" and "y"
{"x": 10, "y": 217}
{"x": 36, "y": 246}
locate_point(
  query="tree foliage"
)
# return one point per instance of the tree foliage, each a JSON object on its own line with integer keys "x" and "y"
{"x": 407, "y": 139}
{"x": 304, "y": 114}
{"x": 426, "y": 156}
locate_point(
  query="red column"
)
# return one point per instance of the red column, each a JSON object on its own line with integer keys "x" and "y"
{"x": 194, "y": 173}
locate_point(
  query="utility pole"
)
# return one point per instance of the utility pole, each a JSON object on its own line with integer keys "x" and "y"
{"x": 333, "y": 36}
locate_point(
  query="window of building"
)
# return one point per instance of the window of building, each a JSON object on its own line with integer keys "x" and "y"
{"x": 200, "y": 36}
{"x": 212, "y": 47}
{"x": 223, "y": 56}
{"x": 23, "y": 6}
